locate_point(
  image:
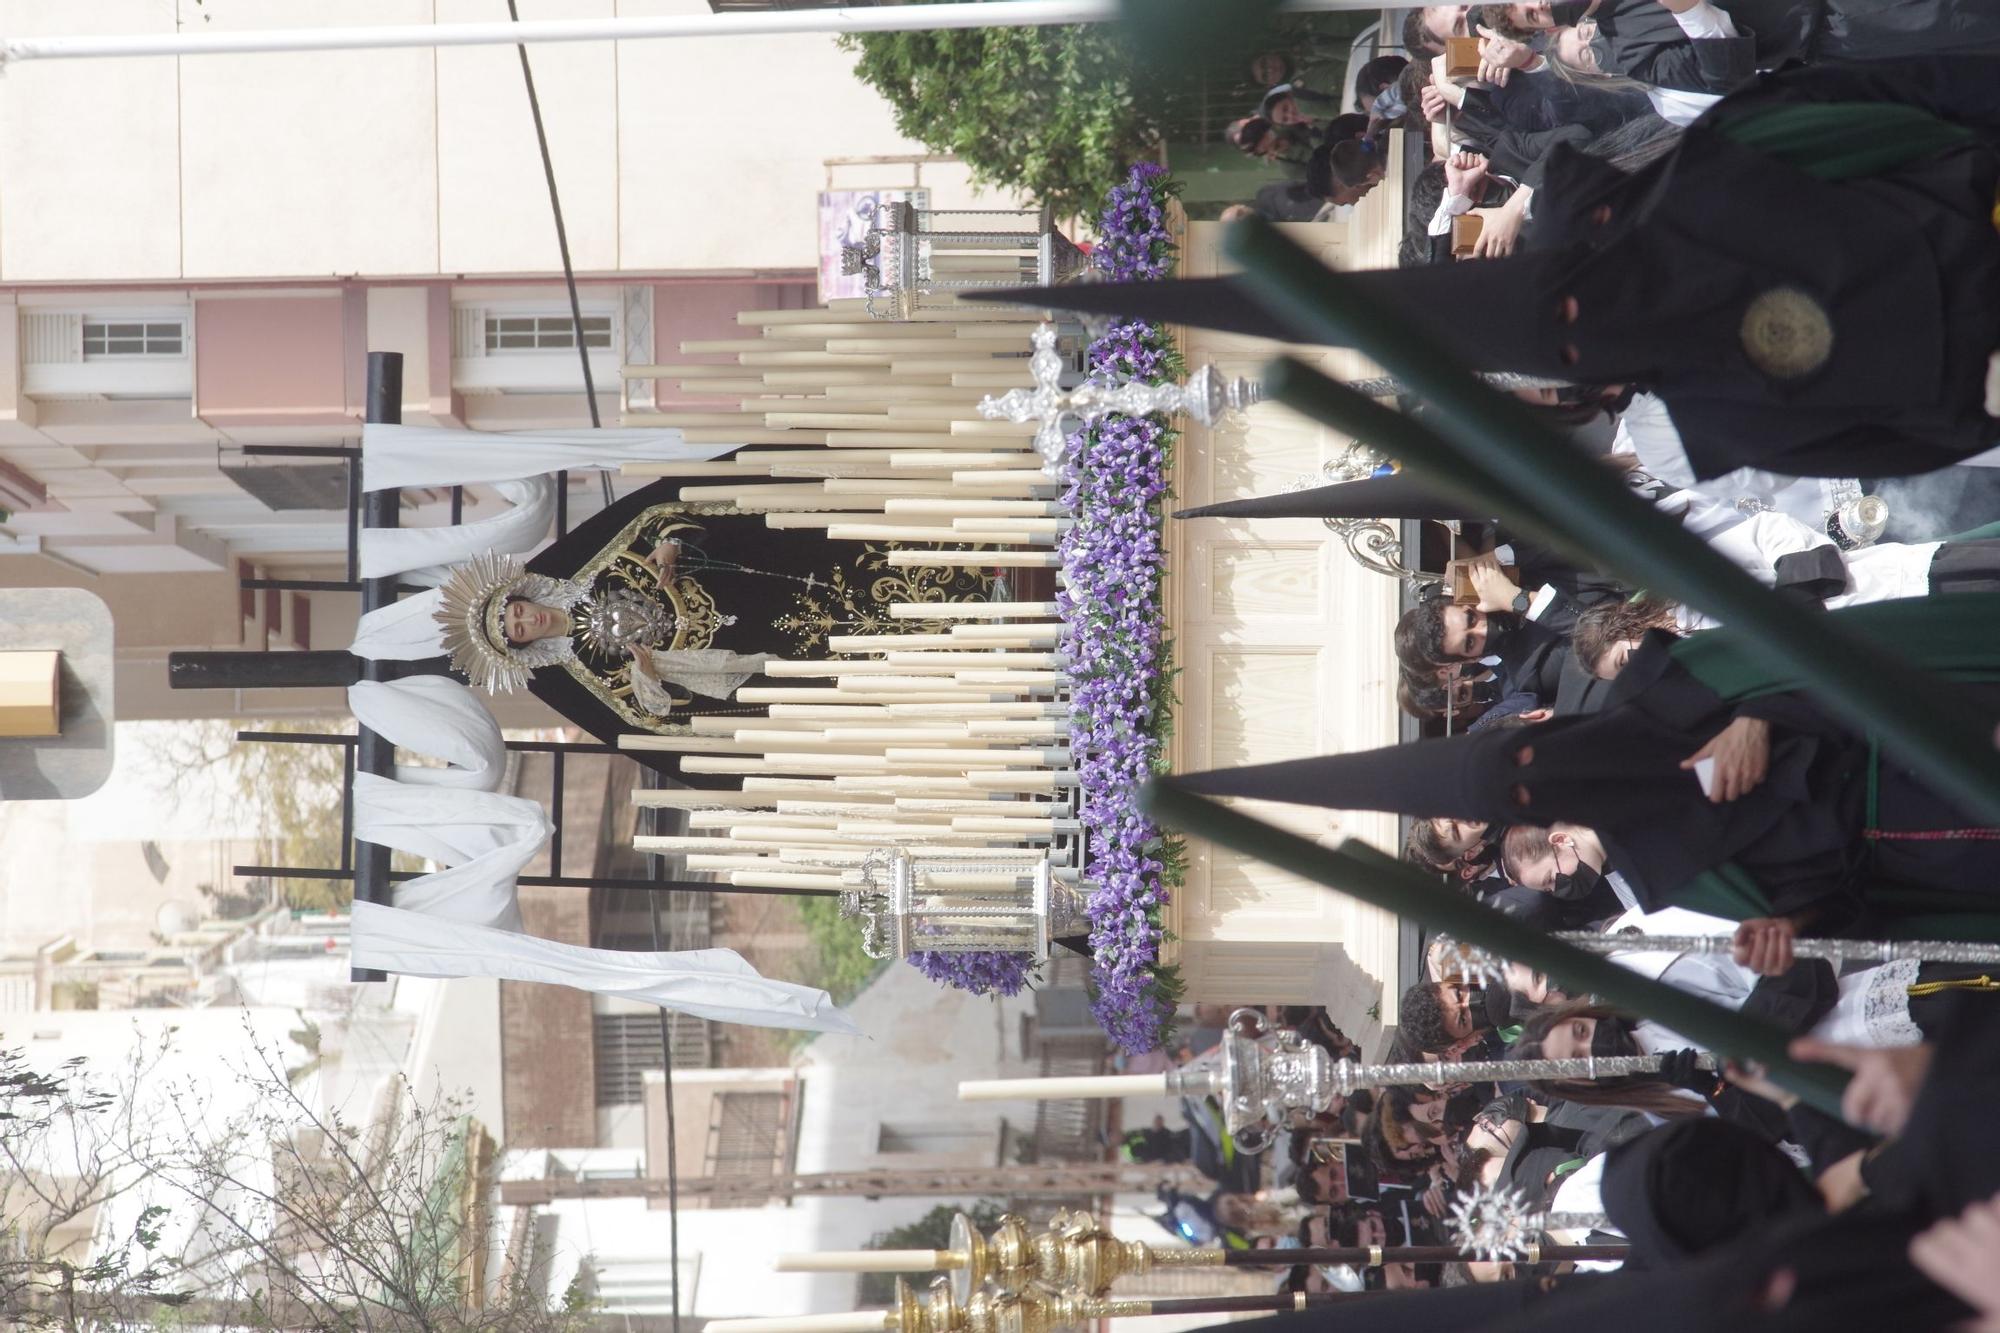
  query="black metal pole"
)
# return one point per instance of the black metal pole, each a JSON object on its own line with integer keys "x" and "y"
{"x": 546, "y": 882}
{"x": 1372, "y": 1256}
{"x": 1279, "y": 1301}
{"x": 300, "y": 585}
{"x": 255, "y": 671}
{"x": 379, "y": 509}
{"x": 556, "y": 811}
{"x": 350, "y": 738}
{"x": 304, "y": 450}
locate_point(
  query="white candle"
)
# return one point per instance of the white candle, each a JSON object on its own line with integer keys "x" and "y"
{"x": 959, "y": 507}
{"x": 996, "y": 661}
{"x": 1015, "y": 780}
{"x": 994, "y": 758}
{"x": 761, "y": 879}
{"x": 943, "y": 692}
{"x": 869, "y": 1261}
{"x": 962, "y": 460}
{"x": 971, "y": 610}
{"x": 997, "y": 559}
{"x": 861, "y": 1321}
{"x": 1019, "y": 678}
{"x": 1060, "y": 1089}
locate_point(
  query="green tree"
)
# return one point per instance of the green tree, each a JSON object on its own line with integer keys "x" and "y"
{"x": 932, "y": 1231}
{"x": 1052, "y": 111}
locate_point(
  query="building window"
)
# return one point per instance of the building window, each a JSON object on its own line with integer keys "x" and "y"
{"x": 88, "y": 354}
{"x": 545, "y": 333}
{"x": 934, "y": 1139}
{"x": 748, "y": 1136}
{"x": 103, "y": 338}
{"x": 532, "y": 348}
{"x": 627, "y": 1045}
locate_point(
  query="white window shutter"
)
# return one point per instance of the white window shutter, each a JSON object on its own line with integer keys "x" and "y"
{"x": 51, "y": 339}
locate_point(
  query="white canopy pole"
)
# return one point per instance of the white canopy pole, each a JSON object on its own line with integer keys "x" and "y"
{"x": 873, "y": 18}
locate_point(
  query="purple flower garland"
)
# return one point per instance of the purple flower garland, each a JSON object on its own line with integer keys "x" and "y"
{"x": 1113, "y": 557}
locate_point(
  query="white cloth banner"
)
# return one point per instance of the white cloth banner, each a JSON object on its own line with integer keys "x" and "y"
{"x": 425, "y": 555}
{"x": 519, "y": 466}
{"x": 482, "y": 838}
{"x": 715, "y": 984}
{"x": 437, "y": 716}
{"x": 443, "y": 456}
{"x": 403, "y": 631}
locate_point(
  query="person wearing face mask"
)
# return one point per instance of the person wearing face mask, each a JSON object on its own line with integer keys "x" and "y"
{"x": 1567, "y": 862}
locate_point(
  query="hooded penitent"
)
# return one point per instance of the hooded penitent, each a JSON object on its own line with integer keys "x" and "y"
{"x": 1687, "y": 1187}
{"x": 1813, "y": 291}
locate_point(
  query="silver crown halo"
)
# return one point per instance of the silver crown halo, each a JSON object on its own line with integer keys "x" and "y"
{"x": 471, "y": 605}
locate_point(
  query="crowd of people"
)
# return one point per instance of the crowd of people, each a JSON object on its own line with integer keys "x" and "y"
{"x": 1603, "y": 759}
{"x": 1327, "y": 1181}
{"x": 1328, "y": 150}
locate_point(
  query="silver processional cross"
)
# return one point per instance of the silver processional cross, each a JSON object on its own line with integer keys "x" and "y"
{"x": 1206, "y": 397}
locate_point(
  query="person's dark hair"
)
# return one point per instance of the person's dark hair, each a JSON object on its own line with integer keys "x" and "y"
{"x": 1410, "y": 83}
{"x": 1353, "y": 161}
{"x": 1421, "y": 1015}
{"x": 1520, "y": 844}
{"x": 1379, "y": 73}
{"x": 1308, "y": 1184}
{"x": 1364, "y": 1098}
{"x": 1638, "y": 1092}
{"x": 1295, "y": 1279}
{"x": 1420, "y": 696}
{"x": 1248, "y": 132}
{"x": 1347, "y": 125}
{"x": 1347, "y": 1227}
{"x": 1639, "y": 141}
{"x": 1416, "y": 37}
{"x": 1319, "y": 173}
{"x": 1610, "y": 623}
{"x": 1425, "y": 846}
{"x": 1403, "y": 1049}
{"x": 1391, "y": 1127}
{"x": 1425, "y": 194}
{"x": 1419, "y": 636}
{"x": 1495, "y": 17}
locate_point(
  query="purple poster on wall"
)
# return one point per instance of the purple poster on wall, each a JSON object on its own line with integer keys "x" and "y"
{"x": 845, "y": 217}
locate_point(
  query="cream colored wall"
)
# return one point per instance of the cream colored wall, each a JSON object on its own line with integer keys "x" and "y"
{"x": 1285, "y": 651}
{"x": 692, "y": 155}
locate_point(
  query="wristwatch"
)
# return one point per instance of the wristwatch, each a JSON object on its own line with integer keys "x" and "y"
{"x": 1520, "y": 603}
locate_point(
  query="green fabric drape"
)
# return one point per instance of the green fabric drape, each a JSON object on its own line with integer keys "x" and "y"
{"x": 1836, "y": 141}
{"x": 1957, "y": 636}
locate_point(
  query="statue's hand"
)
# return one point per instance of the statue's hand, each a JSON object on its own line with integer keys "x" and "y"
{"x": 642, "y": 661}
{"x": 665, "y": 559}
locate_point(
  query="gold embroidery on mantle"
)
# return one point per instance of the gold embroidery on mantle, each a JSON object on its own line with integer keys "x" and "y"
{"x": 696, "y": 618}
{"x": 842, "y": 602}
{"x": 860, "y": 604}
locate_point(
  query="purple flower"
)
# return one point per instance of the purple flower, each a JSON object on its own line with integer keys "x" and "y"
{"x": 1112, "y": 558}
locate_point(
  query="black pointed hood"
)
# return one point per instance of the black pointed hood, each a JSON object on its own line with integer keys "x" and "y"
{"x": 1465, "y": 777}
{"x": 1488, "y": 314}
{"x": 1691, "y": 1186}
{"x": 1396, "y": 495}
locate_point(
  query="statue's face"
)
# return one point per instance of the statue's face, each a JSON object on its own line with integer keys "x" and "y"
{"x": 526, "y": 621}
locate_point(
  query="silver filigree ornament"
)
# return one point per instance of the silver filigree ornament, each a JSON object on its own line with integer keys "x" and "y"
{"x": 1206, "y": 398}
{"x": 617, "y": 621}
{"x": 1499, "y": 1225}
